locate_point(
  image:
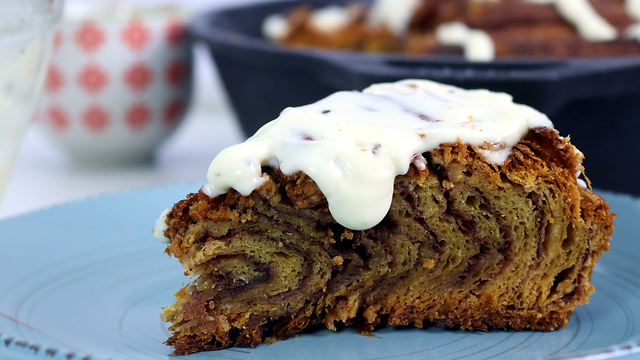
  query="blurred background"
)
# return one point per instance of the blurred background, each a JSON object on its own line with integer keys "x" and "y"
{"x": 129, "y": 103}
{"x": 44, "y": 173}
{"x": 127, "y": 82}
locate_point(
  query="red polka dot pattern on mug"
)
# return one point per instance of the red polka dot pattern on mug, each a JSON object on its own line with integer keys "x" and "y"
{"x": 95, "y": 118}
{"x": 58, "y": 118}
{"x": 175, "y": 73}
{"x": 138, "y": 76}
{"x": 135, "y": 35}
{"x": 175, "y": 32}
{"x": 57, "y": 40}
{"x": 93, "y": 78}
{"x": 117, "y": 84}
{"x": 173, "y": 111}
{"x": 55, "y": 79}
{"x": 138, "y": 116}
{"x": 89, "y": 37}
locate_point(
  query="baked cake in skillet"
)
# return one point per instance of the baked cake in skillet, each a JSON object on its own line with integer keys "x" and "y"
{"x": 410, "y": 203}
{"x": 479, "y": 29}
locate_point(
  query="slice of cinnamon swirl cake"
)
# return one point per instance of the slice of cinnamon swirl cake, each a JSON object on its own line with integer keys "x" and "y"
{"x": 408, "y": 203}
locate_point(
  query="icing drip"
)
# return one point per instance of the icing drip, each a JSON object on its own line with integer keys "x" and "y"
{"x": 354, "y": 144}
{"x": 476, "y": 44}
{"x": 394, "y": 14}
{"x": 330, "y": 18}
{"x": 275, "y": 27}
{"x": 161, "y": 226}
{"x": 633, "y": 32}
{"x": 581, "y": 14}
{"x": 633, "y": 8}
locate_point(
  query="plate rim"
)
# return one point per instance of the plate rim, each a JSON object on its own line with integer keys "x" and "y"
{"x": 21, "y": 349}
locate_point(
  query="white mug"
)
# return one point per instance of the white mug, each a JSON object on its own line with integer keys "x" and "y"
{"x": 118, "y": 84}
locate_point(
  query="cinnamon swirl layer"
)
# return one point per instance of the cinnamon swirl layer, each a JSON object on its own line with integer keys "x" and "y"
{"x": 466, "y": 243}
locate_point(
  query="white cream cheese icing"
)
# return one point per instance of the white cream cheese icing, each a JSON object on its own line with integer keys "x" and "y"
{"x": 633, "y": 8}
{"x": 161, "y": 226}
{"x": 394, "y": 14}
{"x": 275, "y": 27}
{"x": 354, "y": 144}
{"x": 397, "y": 14}
{"x": 476, "y": 44}
{"x": 633, "y": 32}
{"x": 581, "y": 14}
{"x": 330, "y": 18}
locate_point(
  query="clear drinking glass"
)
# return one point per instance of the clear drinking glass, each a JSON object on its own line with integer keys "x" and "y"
{"x": 26, "y": 33}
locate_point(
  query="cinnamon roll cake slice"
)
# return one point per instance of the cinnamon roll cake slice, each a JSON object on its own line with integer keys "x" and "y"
{"x": 412, "y": 203}
{"x": 478, "y": 30}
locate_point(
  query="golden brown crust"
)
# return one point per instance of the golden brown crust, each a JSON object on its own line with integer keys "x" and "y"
{"x": 465, "y": 244}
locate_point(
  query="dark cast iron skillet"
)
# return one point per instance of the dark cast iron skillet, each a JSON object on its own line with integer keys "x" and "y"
{"x": 594, "y": 100}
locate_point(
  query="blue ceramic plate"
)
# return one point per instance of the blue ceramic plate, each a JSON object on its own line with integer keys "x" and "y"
{"x": 87, "y": 280}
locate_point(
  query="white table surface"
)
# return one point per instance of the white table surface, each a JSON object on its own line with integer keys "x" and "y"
{"x": 44, "y": 176}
